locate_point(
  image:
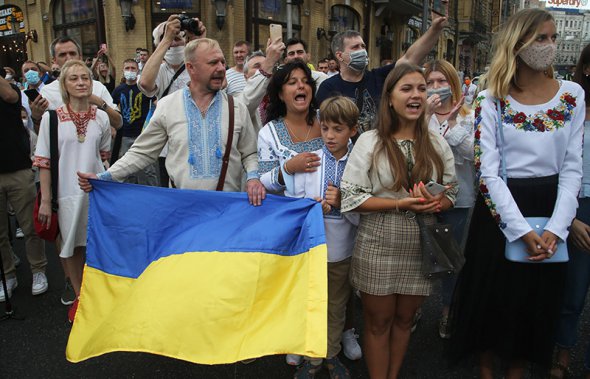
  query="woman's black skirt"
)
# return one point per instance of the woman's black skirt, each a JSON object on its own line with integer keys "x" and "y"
{"x": 510, "y": 309}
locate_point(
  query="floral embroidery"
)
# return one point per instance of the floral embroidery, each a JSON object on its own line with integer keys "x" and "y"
{"x": 41, "y": 162}
{"x": 547, "y": 121}
{"x": 483, "y": 189}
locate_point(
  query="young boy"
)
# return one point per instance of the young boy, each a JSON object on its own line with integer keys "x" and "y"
{"x": 338, "y": 123}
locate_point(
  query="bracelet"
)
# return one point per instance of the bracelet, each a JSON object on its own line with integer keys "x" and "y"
{"x": 265, "y": 74}
{"x": 285, "y": 168}
{"x": 397, "y": 205}
{"x": 103, "y": 106}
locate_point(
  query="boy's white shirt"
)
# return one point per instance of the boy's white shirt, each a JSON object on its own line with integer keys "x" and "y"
{"x": 340, "y": 228}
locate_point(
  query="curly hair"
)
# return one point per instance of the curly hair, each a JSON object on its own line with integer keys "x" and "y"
{"x": 276, "y": 107}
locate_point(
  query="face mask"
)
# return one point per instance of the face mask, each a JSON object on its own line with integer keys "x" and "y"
{"x": 443, "y": 92}
{"x": 25, "y": 122}
{"x": 467, "y": 82}
{"x": 32, "y": 77}
{"x": 538, "y": 56}
{"x": 130, "y": 75}
{"x": 8, "y": 77}
{"x": 358, "y": 60}
{"x": 175, "y": 55}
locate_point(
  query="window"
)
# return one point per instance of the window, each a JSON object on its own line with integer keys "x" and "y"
{"x": 80, "y": 20}
{"x": 347, "y": 18}
{"x": 162, "y": 9}
{"x": 276, "y": 11}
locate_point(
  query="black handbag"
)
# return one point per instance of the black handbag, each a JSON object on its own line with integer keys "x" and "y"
{"x": 441, "y": 255}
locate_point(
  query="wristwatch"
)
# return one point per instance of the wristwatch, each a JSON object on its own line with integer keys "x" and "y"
{"x": 103, "y": 106}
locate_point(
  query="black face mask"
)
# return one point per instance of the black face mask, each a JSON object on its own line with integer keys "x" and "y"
{"x": 55, "y": 73}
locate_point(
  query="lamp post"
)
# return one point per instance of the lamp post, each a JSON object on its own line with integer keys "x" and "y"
{"x": 220, "y": 13}
{"x": 128, "y": 17}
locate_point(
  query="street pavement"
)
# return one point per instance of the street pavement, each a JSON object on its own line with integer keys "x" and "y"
{"x": 35, "y": 347}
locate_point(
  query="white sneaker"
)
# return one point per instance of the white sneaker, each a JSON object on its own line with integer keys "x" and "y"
{"x": 350, "y": 345}
{"x": 11, "y": 284}
{"x": 39, "y": 283}
{"x": 19, "y": 233}
{"x": 294, "y": 360}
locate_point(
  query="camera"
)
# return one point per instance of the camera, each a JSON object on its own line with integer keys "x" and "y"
{"x": 189, "y": 24}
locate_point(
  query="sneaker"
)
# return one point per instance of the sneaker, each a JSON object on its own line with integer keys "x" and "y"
{"x": 307, "y": 370}
{"x": 294, "y": 360}
{"x": 19, "y": 233}
{"x": 15, "y": 259}
{"x": 336, "y": 369}
{"x": 11, "y": 284}
{"x": 72, "y": 311}
{"x": 68, "y": 296}
{"x": 443, "y": 328}
{"x": 39, "y": 283}
{"x": 417, "y": 317}
{"x": 350, "y": 346}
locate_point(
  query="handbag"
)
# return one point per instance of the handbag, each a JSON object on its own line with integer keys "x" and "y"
{"x": 41, "y": 230}
{"x": 516, "y": 251}
{"x": 441, "y": 255}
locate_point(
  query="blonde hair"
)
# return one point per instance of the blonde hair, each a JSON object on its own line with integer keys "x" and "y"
{"x": 65, "y": 71}
{"x": 339, "y": 110}
{"x": 508, "y": 42}
{"x": 449, "y": 72}
{"x": 194, "y": 45}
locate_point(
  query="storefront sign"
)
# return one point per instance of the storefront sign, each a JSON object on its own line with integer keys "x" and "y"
{"x": 12, "y": 20}
{"x": 568, "y": 4}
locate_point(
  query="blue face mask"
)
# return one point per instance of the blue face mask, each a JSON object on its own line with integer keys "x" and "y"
{"x": 444, "y": 92}
{"x": 32, "y": 77}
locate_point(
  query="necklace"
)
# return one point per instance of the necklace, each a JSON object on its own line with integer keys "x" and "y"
{"x": 294, "y": 135}
{"x": 80, "y": 120}
{"x": 443, "y": 114}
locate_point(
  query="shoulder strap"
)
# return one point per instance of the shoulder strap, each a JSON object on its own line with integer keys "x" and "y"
{"x": 501, "y": 141}
{"x": 176, "y": 75}
{"x": 54, "y": 158}
{"x": 228, "y": 145}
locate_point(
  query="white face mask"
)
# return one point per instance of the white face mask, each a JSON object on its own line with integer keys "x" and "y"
{"x": 538, "y": 56}
{"x": 25, "y": 122}
{"x": 130, "y": 75}
{"x": 8, "y": 77}
{"x": 175, "y": 55}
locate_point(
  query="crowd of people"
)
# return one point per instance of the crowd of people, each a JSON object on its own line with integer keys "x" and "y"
{"x": 368, "y": 144}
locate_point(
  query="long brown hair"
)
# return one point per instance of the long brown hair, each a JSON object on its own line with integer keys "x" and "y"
{"x": 425, "y": 156}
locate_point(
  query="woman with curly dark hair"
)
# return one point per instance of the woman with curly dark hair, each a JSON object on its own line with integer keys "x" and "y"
{"x": 292, "y": 129}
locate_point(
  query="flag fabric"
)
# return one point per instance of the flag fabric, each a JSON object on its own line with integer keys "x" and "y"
{"x": 201, "y": 276}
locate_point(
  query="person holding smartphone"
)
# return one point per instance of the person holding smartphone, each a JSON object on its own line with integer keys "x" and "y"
{"x": 33, "y": 84}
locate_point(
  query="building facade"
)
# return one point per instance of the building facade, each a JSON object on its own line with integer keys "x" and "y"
{"x": 388, "y": 27}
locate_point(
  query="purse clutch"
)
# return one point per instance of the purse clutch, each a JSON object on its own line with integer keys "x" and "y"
{"x": 441, "y": 255}
{"x": 516, "y": 251}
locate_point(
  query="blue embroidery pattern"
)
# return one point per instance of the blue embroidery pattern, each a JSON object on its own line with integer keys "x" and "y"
{"x": 333, "y": 171}
{"x": 204, "y": 138}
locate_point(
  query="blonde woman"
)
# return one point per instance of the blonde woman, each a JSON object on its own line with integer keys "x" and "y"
{"x": 83, "y": 143}
{"x": 448, "y": 116}
{"x": 502, "y": 308}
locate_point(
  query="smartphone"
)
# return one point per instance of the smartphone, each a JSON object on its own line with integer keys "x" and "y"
{"x": 435, "y": 188}
{"x": 31, "y": 94}
{"x": 276, "y": 31}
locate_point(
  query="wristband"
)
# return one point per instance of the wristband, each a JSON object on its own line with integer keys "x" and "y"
{"x": 265, "y": 74}
{"x": 285, "y": 168}
{"x": 397, "y": 205}
{"x": 103, "y": 106}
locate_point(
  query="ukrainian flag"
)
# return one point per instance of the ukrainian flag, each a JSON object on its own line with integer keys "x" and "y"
{"x": 201, "y": 276}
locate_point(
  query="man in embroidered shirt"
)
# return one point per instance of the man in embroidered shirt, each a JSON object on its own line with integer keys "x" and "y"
{"x": 195, "y": 122}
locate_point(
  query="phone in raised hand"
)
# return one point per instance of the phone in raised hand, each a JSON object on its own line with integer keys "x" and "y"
{"x": 276, "y": 31}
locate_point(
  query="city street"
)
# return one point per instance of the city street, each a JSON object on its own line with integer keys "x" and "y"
{"x": 35, "y": 347}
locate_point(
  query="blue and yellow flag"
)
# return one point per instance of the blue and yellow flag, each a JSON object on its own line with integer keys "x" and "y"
{"x": 201, "y": 276}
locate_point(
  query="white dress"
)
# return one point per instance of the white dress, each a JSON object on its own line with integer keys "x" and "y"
{"x": 74, "y": 156}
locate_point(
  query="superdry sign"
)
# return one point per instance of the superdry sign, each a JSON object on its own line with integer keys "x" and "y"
{"x": 568, "y": 4}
